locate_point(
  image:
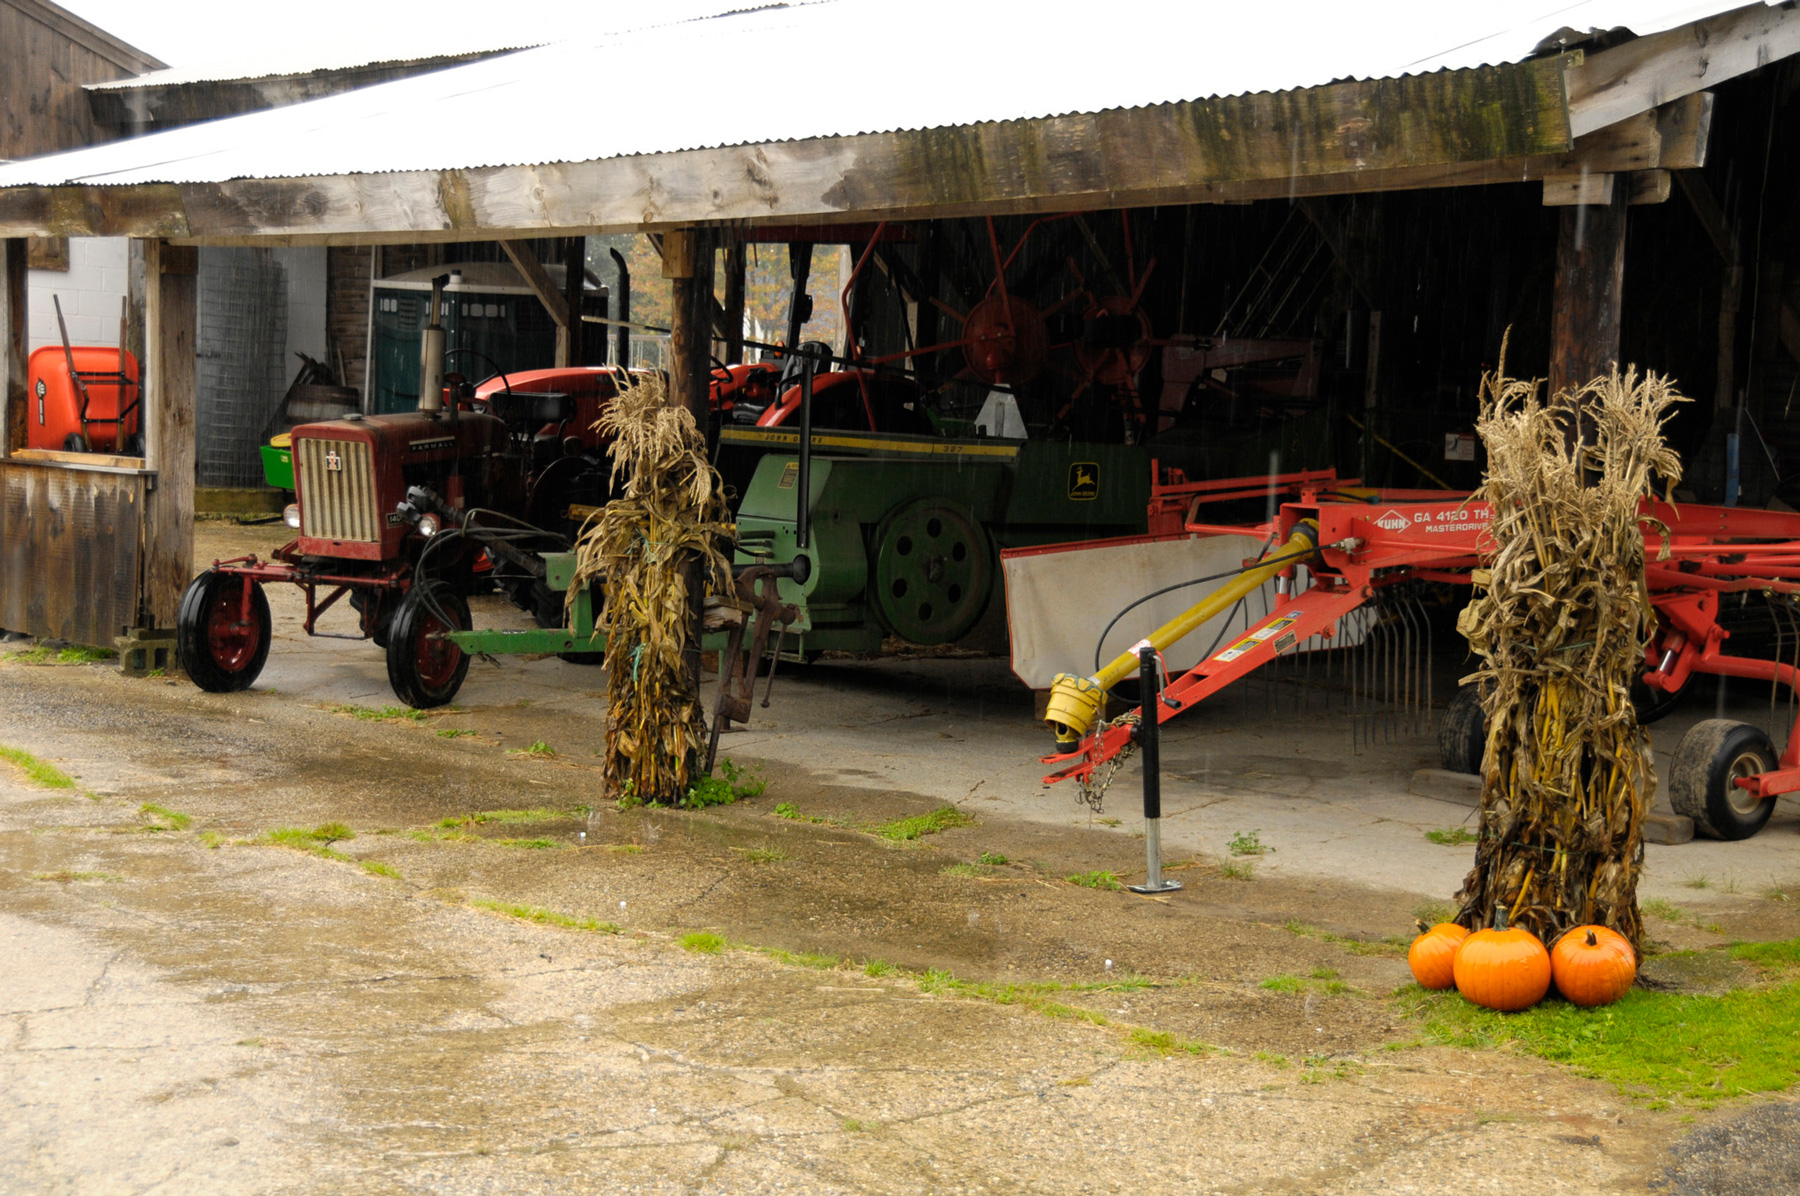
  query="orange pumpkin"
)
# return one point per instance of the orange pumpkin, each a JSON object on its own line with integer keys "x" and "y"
{"x": 1593, "y": 965}
{"x": 1432, "y": 956}
{"x": 1502, "y": 969}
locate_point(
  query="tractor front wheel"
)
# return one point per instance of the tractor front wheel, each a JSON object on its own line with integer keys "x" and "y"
{"x": 425, "y": 669}
{"x": 222, "y": 631}
{"x": 1712, "y": 756}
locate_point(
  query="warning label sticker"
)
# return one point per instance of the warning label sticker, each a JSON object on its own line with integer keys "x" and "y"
{"x": 1255, "y": 638}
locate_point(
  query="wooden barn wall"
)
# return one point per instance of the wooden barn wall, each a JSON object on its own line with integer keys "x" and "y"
{"x": 46, "y": 62}
{"x": 70, "y": 551}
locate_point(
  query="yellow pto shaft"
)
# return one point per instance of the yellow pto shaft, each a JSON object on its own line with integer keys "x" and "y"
{"x": 1075, "y": 702}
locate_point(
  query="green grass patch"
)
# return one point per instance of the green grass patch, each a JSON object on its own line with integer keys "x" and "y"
{"x": 878, "y": 967}
{"x": 1107, "y": 881}
{"x": 1660, "y": 1047}
{"x": 1274, "y": 1060}
{"x": 317, "y": 841}
{"x": 211, "y": 840}
{"x": 1161, "y": 1042}
{"x": 37, "y": 654}
{"x": 1237, "y": 869}
{"x": 65, "y": 876}
{"x": 903, "y": 830}
{"x": 377, "y": 868}
{"x": 528, "y": 844}
{"x": 1319, "y": 980}
{"x": 801, "y": 959}
{"x": 440, "y": 836}
{"x": 703, "y": 942}
{"x": 380, "y": 714}
{"x": 511, "y": 817}
{"x": 1248, "y": 843}
{"x": 452, "y": 732}
{"x": 44, "y": 776}
{"x": 1455, "y": 836}
{"x": 734, "y": 782}
{"x": 1433, "y": 912}
{"x": 1392, "y": 944}
{"x": 82, "y": 654}
{"x": 968, "y": 870}
{"x": 161, "y": 818}
{"x": 993, "y": 859}
{"x": 791, "y": 812}
{"x": 545, "y": 917}
{"x": 539, "y": 750}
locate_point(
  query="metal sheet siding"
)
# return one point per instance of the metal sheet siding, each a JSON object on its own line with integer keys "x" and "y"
{"x": 468, "y": 117}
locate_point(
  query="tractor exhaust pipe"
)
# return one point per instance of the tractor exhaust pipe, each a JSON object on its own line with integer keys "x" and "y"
{"x": 431, "y": 352}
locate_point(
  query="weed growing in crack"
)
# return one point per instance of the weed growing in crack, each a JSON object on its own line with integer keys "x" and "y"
{"x": 161, "y": 818}
{"x": 545, "y": 917}
{"x": 44, "y": 776}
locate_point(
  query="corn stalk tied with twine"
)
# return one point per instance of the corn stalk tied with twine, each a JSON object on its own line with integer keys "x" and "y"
{"x": 1561, "y": 625}
{"x": 642, "y": 548}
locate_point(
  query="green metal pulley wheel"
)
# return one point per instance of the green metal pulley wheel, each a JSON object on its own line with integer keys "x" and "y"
{"x": 933, "y": 571}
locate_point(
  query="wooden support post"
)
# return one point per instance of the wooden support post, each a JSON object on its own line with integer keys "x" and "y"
{"x": 1590, "y": 283}
{"x": 734, "y": 301}
{"x": 555, "y": 302}
{"x": 688, "y": 264}
{"x": 14, "y": 405}
{"x": 170, "y": 282}
{"x": 569, "y": 336}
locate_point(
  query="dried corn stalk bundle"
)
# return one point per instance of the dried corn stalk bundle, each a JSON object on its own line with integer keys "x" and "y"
{"x": 1560, "y": 625}
{"x": 641, "y": 548}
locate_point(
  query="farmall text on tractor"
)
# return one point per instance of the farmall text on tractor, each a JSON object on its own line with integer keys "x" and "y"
{"x": 1336, "y": 547}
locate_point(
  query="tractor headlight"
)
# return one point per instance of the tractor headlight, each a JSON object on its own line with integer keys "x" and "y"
{"x": 428, "y": 525}
{"x": 291, "y": 515}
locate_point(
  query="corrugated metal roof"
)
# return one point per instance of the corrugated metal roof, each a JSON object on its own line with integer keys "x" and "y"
{"x": 839, "y": 67}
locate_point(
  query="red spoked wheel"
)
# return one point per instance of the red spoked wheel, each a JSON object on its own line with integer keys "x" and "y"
{"x": 222, "y": 631}
{"x": 424, "y": 668}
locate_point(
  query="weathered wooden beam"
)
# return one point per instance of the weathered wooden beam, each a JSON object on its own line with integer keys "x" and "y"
{"x": 1609, "y": 86}
{"x": 1648, "y": 186}
{"x": 1569, "y": 190}
{"x": 1589, "y": 293}
{"x": 14, "y": 405}
{"x": 1718, "y": 230}
{"x": 170, "y": 285}
{"x": 690, "y": 379}
{"x": 1063, "y": 163}
{"x": 538, "y": 279}
{"x": 569, "y": 334}
{"x": 735, "y": 266}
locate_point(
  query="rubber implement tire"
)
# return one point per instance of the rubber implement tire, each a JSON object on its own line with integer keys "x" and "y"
{"x": 427, "y": 672}
{"x": 1462, "y": 732}
{"x": 221, "y": 652}
{"x": 1711, "y": 756}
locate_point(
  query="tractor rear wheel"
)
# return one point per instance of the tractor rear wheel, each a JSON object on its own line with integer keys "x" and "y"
{"x": 933, "y": 571}
{"x": 424, "y": 669}
{"x": 222, "y": 631}
{"x": 1711, "y": 757}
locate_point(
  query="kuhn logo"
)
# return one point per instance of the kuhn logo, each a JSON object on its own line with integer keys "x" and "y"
{"x": 1393, "y": 521}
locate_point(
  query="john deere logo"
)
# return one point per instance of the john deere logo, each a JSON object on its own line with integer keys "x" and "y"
{"x": 333, "y": 462}
{"x": 1084, "y": 481}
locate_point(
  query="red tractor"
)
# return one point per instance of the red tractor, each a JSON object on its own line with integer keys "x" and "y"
{"x": 405, "y": 515}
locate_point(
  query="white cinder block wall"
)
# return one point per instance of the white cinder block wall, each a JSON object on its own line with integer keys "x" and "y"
{"x": 90, "y": 290}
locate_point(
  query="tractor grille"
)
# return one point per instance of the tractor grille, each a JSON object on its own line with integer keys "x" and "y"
{"x": 336, "y": 504}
